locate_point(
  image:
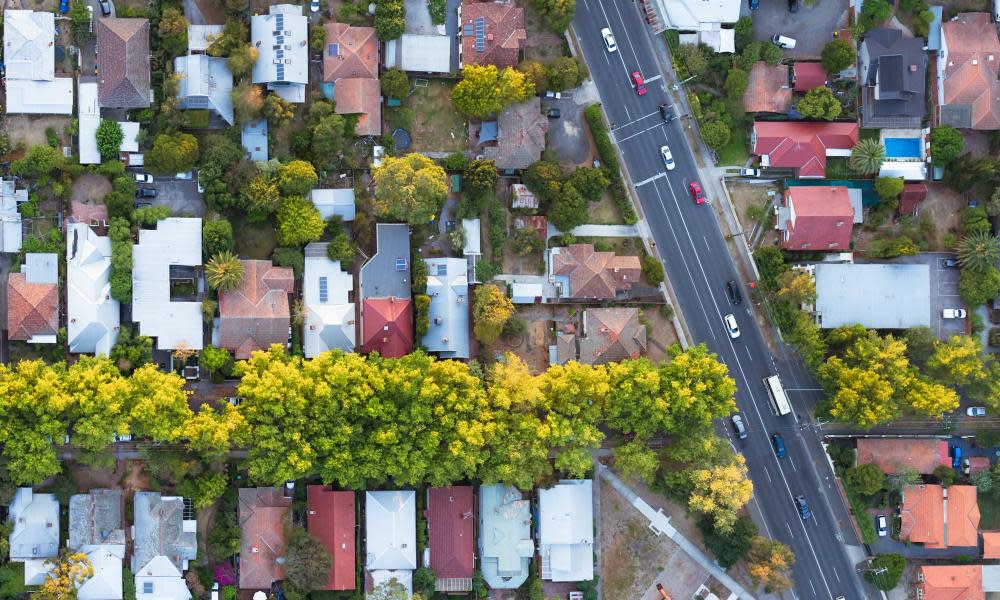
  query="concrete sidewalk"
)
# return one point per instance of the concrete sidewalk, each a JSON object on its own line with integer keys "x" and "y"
{"x": 598, "y": 231}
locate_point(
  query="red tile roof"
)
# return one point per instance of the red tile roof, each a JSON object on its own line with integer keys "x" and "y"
{"x": 387, "y": 326}
{"x": 991, "y": 544}
{"x": 970, "y": 75}
{"x": 263, "y": 513}
{"x": 356, "y": 55}
{"x": 768, "y": 90}
{"x": 503, "y": 30}
{"x": 450, "y": 529}
{"x": 255, "y": 314}
{"x": 952, "y": 582}
{"x": 612, "y": 335}
{"x": 892, "y": 455}
{"x": 809, "y": 75}
{"x": 361, "y": 97}
{"x": 32, "y": 308}
{"x": 913, "y": 195}
{"x": 924, "y": 520}
{"x": 593, "y": 274}
{"x": 802, "y": 145}
{"x": 820, "y": 218}
{"x": 963, "y": 516}
{"x": 331, "y": 520}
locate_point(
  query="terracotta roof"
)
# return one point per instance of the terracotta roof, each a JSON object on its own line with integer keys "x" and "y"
{"x": 593, "y": 274}
{"x": 32, "y": 308}
{"x": 89, "y": 212}
{"x": 612, "y": 335}
{"x": 892, "y": 455}
{"x": 809, "y": 75}
{"x": 924, "y": 520}
{"x": 387, "y": 326}
{"x": 262, "y": 516}
{"x": 503, "y": 31}
{"x": 538, "y": 223}
{"x": 450, "y": 529}
{"x": 361, "y": 97}
{"x": 331, "y": 519}
{"x": 991, "y": 544}
{"x": 819, "y": 218}
{"x": 802, "y": 145}
{"x": 768, "y": 90}
{"x": 970, "y": 74}
{"x": 521, "y": 130}
{"x": 350, "y": 52}
{"x": 255, "y": 315}
{"x": 913, "y": 195}
{"x": 952, "y": 582}
{"x": 963, "y": 516}
{"x": 123, "y": 63}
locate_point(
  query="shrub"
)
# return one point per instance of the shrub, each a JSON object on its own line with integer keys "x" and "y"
{"x": 652, "y": 270}
{"x": 837, "y": 55}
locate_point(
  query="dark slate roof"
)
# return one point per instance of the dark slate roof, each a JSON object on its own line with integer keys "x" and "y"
{"x": 899, "y": 66}
{"x": 124, "y": 63}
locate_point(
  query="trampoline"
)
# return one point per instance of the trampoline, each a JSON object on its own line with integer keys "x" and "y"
{"x": 401, "y": 138}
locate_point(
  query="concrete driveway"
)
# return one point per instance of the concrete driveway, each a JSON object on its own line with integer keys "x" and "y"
{"x": 812, "y": 26}
{"x": 944, "y": 292}
{"x": 181, "y": 195}
{"x": 567, "y": 134}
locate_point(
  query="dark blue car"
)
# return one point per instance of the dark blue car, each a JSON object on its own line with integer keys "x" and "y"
{"x": 64, "y": 6}
{"x": 754, "y": 4}
{"x": 779, "y": 445}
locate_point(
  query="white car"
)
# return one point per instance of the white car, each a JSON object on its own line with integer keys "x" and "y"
{"x": 953, "y": 313}
{"x": 976, "y": 411}
{"x": 883, "y": 526}
{"x": 609, "y": 40}
{"x": 782, "y": 41}
{"x": 314, "y": 6}
{"x": 184, "y": 175}
{"x": 731, "y": 326}
{"x": 90, "y": 23}
{"x": 668, "y": 158}
{"x": 745, "y": 172}
{"x": 143, "y": 178}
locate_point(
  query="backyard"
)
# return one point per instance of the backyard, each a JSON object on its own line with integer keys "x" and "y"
{"x": 989, "y": 511}
{"x": 430, "y": 118}
{"x": 935, "y": 227}
{"x": 254, "y": 240}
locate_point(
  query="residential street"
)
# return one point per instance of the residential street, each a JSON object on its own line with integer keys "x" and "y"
{"x": 698, "y": 264}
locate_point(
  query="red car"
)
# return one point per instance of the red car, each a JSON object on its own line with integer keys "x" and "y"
{"x": 640, "y": 84}
{"x": 696, "y": 194}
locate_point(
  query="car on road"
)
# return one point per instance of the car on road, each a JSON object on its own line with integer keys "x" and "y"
{"x": 609, "y": 40}
{"x": 314, "y": 6}
{"x": 90, "y": 20}
{"x": 949, "y": 263}
{"x": 668, "y": 158}
{"x": 882, "y": 526}
{"x": 105, "y": 8}
{"x": 800, "y": 503}
{"x": 123, "y": 437}
{"x": 639, "y": 83}
{"x": 551, "y": 94}
{"x": 554, "y": 113}
{"x": 779, "y": 445}
{"x": 956, "y": 457}
{"x": 696, "y": 194}
{"x": 667, "y": 113}
{"x": 976, "y": 411}
{"x": 749, "y": 172}
{"x": 731, "y": 326}
{"x": 734, "y": 292}
{"x": 143, "y": 178}
{"x": 738, "y": 427}
{"x": 145, "y": 193}
{"x": 783, "y": 42}
{"x": 953, "y": 313}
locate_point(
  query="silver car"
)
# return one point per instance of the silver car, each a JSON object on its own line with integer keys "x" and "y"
{"x": 609, "y": 40}
{"x": 668, "y": 158}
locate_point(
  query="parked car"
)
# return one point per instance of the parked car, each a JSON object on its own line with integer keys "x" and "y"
{"x": 953, "y": 313}
{"x": 754, "y": 4}
{"x": 696, "y": 194}
{"x": 90, "y": 21}
{"x": 749, "y": 172}
{"x": 783, "y": 42}
{"x": 639, "y": 83}
{"x": 143, "y": 178}
{"x": 779, "y": 445}
{"x": 609, "y": 40}
{"x": 554, "y": 113}
{"x": 105, "y": 8}
{"x": 949, "y": 263}
{"x": 738, "y": 427}
{"x": 800, "y": 503}
{"x": 145, "y": 193}
{"x": 793, "y": 6}
{"x": 551, "y": 94}
{"x": 184, "y": 175}
{"x": 668, "y": 158}
{"x": 667, "y": 113}
{"x": 63, "y": 6}
{"x": 882, "y": 525}
{"x": 956, "y": 457}
{"x": 731, "y": 326}
{"x": 123, "y": 437}
{"x": 976, "y": 411}
{"x": 734, "y": 292}
{"x": 142, "y": 204}
{"x": 314, "y": 6}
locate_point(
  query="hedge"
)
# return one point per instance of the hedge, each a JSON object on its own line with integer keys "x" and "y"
{"x": 606, "y": 149}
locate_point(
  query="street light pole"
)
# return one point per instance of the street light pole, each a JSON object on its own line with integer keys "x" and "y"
{"x": 677, "y": 86}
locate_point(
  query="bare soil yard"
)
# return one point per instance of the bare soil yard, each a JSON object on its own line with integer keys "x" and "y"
{"x": 937, "y": 216}
{"x": 631, "y": 554}
{"x": 29, "y": 130}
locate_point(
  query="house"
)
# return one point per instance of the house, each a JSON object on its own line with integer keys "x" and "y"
{"x": 878, "y": 296}
{"x": 608, "y": 335}
{"x": 89, "y": 119}
{"x": 33, "y": 300}
{"x": 526, "y": 293}
{"x": 255, "y": 314}
{"x": 768, "y": 89}
{"x": 808, "y": 75}
{"x": 95, "y": 529}
{"x": 450, "y": 524}
{"x": 566, "y": 531}
{"x": 939, "y": 517}
{"x": 473, "y": 238}
{"x": 281, "y": 39}
{"x": 913, "y": 194}
{"x": 330, "y": 315}
{"x": 521, "y": 197}
{"x": 892, "y": 455}
{"x": 448, "y": 288}
{"x": 491, "y": 33}
{"x": 350, "y": 66}
{"x": 419, "y": 53}
{"x": 391, "y": 537}
{"x": 582, "y": 272}
{"x": 330, "y": 519}
{"x": 330, "y": 203}
{"x": 206, "y": 83}
{"x": 713, "y": 35}
{"x": 893, "y": 76}
{"x": 816, "y": 218}
{"x": 968, "y": 89}
{"x": 991, "y": 543}
{"x": 10, "y": 219}
{"x": 263, "y": 513}
{"x": 506, "y": 547}
{"x": 163, "y": 542}
{"x": 802, "y": 147}
{"x": 386, "y": 308}
{"x": 521, "y": 131}
{"x": 387, "y": 326}
{"x": 92, "y": 315}
{"x": 35, "y": 534}
{"x": 123, "y": 63}
{"x": 957, "y": 582}
{"x": 697, "y": 15}
{"x": 29, "y": 59}
{"x": 201, "y": 37}
{"x": 171, "y": 252}
{"x": 254, "y": 139}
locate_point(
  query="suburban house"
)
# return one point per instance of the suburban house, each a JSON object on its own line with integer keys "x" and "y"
{"x": 892, "y": 455}
{"x": 330, "y": 519}
{"x": 35, "y": 535}
{"x": 607, "y": 335}
{"x": 521, "y": 130}
{"x": 11, "y": 230}
{"x": 387, "y": 326}
{"x": 206, "y": 83}
{"x": 123, "y": 63}
{"x": 326, "y": 294}
{"x": 808, "y": 75}
{"x": 957, "y": 582}
{"x": 968, "y": 90}
{"x": 350, "y": 68}
{"x": 940, "y": 517}
{"x": 171, "y": 252}
{"x": 200, "y": 37}
{"x": 991, "y": 539}
{"x": 334, "y": 202}
{"x": 31, "y": 84}
{"x": 491, "y": 33}
{"x": 264, "y": 513}
{"x": 255, "y": 314}
{"x": 419, "y": 53}
{"x": 163, "y": 541}
{"x": 893, "y": 76}
{"x": 254, "y": 140}
{"x": 581, "y": 272}
{"x": 386, "y": 307}
{"x": 816, "y": 218}
{"x": 448, "y": 288}
{"x": 566, "y": 531}
{"x": 33, "y": 300}
{"x": 769, "y": 89}
{"x": 802, "y": 146}
{"x": 93, "y": 317}
{"x": 697, "y": 15}
{"x": 391, "y": 537}
{"x": 88, "y": 120}
{"x": 506, "y": 547}
{"x": 878, "y": 296}
{"x": 95, "y": 529}
{"x": 450, "y": 524}
{"x": 281, "y": 39}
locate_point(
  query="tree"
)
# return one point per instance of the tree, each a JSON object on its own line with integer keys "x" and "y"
{"x": 535, "y": 72}
{"x": 480, "y": 176}
{"x": 736, "y": 84}
{"x": 636, "y": 459}
{"x": 296, "y": 178}
{"x": 771, "y": 54}
{"x": 340, "y": 247}
{"x": 308, "y": 563}
{"x": 328, "y": 135}
{"x": 298, "y": 222}
{"x": 983, "y": 480}
{"x": 40, "y": 160}
{"x": 837, "y": 55}
{"x": 216, "y": 237}
{"x": 389, "y": 21}
{"x": 557, "y": 14}
{"x": 867, "y": 156}
{"x": 485, "y": 90}
{"x": 261, "y": 197}
{"x": 80, "y": 23}
{"x": 976, "y": 286}
{"x": 652, "y": 270}
{"x": 947, "y": 144}
{"x": 224, "y": 271}
{"x": 214, "y": 358}
{"x": 729, "y": 548}
{"x": 68, "y": 573}
{"x": 395, "y": 83}
{"x": 867, "y": 479}
{"x": 147, "y": 216}
{"x": 770, "y": 264}
{"x": 959, "y": 361}
{"x": 172, "y": 153}
{"x": 424, "y": 581}
{"x": 885, "y": 570}
{"x": 967, "y": 170}
{"x": 820, "y": 103}
{"x": 248, "y": 101}
{"x": 721, "y": 492}
{"x": 564, "y": 73}
{"x": 743, "y": 33}
{"x": 173, "y": 31}
{"x": 568, "y": 207}
{"x": 975, "y": 220}
{"x": 131, "y": 351}
{"x": 889, "y": 188}
{"x": 796, "y": 287}
{"x": 410, "y": 188}
{"x": 715, "y": 134}
{"x": 874, "y": 13}
{"x": 920, "y": 342}
{"x": 978, "y": 250}
{"x": 769, "y": 563}
{"x": 895, "y": 482}
{"x": 290, "y": 257}
{"x": 278, "y": 111}
{"x": 109, "y": 138}
{"x": 241, "y": 61}
{"x": 490, "y": 311}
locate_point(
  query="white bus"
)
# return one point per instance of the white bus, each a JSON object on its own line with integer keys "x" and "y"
{"x": 779, "y": 401}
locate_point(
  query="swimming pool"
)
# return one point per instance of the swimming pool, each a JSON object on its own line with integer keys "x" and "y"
{"x": 899, "y": 147}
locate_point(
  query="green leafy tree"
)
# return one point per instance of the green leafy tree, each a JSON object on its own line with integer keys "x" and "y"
{"x": 40, "y": 160}
{"x": 978, "y": 250}
{"x": 109, "y": 138}
{"x": 867, "y": 156}
{"x": 729, "y": 548}
{"x": 715, "y": 134}
{"x": 485, "y": 89}
{"x": 308, "y": 563}
{"x": 947, "y": 144}
{"x": 224, "y": 271}
{"x": 147, "y": 216}
{"x": 636, "y": 459}
{"x": 820, "y": 103}
{"x": 172, "y": 153}
{"x": 490, "y": 312}
{"x": 173, "y": 31}
{"x": 328, "y": 139}
{"x": 770, "y": 265}
{"x": 556, "y": 14}
{"x": 411, "y": 188}
{"x": 867, "y": 479}
{"x": 278, "y": 111}
{"x": 248, "y": 100}
{"x": 240, "y": 62}
{"x": 389, "y": 20}
{"x": 214, "y": 358}
{"x": 395, "y": 83}
{"x": 889, "y": 188}
{"x": 837, "y": 55}
{"x": 568, "y": 207}
{"x": 480, "y": 176}
{"x": 885, "y": 570}
{"x": 920, "y": 342}
{"x": 736, "y": 84}
{"x": 874, "y": 13}
{"x": 261, "y": 197}
{"x": 967, "y": 170}
{"x": 536, "y": 73}
{"x": 565, "y": 73}
{"x": 770, "y": 563}
{"x": 79, "y": 18}
{"x": 296, "y": 178}
{"x": 424, "y": 581}
{"x": 743, "y": 33}
{"x": 216, "y": 237}
{"x": 977, "y": 286}
{"x": 131, "y": 351}
{"x": 771, "y": 54}
{"x": 298, "y": 222}
{"x": 340, "y": 247}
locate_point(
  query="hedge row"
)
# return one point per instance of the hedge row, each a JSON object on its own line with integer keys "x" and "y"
{"x": 610, "y": 161}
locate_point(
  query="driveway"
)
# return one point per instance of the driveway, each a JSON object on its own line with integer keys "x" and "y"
{"x": 944, "y": 292}
{"x": 812, "y": 26}
{"x": 181, "y": 195}
{"x": 418, "y": 18}
{"x": 567, "y": 135}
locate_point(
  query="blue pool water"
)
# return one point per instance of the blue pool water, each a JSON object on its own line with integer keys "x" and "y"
{"x": 902, "y": 147}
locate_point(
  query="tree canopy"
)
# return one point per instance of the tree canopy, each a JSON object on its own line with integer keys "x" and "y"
{"x": 820, "y": 103}
{"x": 947, "y": 144}
{"x": 837, "y": 55}
{"x": 410, "y": 188}
{"x": 485, "y": 89}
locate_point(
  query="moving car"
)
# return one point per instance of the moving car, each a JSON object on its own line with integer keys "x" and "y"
{"x": 738, "y": 427}
{"x": 639, "y": 82}
{"x": 953, "y": 313}
{"x": 143, "y": 178}
{"x": 668, "y": 158}
{"x": 609, "y": 40}
{"x": 734, "y": 292}
{"x": 779, "y": 445}
{"x": 667, "y": 113}
{"x": 696, "y": 193}
{"x": 783, "y": 42}
{"x": 976, "y": 411}
{"x": 105, "y": 8}
{"x": 882, "y": 525}
{"x": 731, "y": 326}
{"x": 145, "y": 193}
{"x": 800, "y": 503}
{"x": 949, "y": 263}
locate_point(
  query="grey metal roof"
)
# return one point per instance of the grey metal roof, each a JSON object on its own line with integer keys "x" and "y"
{"x": 381, "y": 276}
{"x": 878, "y": 296}
{"x": 205, "y": 83}
{"x": 255, "y": 140}
{"x": 505, "y": 544}
{"x": 448, "y": 287}
{"x": 160, "y": 530}
{"x": 934, "y": 31}
{"x": 95, "y": 518}
{"x": 956, "y": 115}
{"x": 897, "y": 67}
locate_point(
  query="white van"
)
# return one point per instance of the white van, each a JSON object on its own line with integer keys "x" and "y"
{"x": 783, "y": 42}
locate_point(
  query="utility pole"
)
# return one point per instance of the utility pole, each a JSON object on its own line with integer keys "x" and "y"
{"x": 677, "y": 86}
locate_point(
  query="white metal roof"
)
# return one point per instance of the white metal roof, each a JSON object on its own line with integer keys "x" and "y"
{"x": 878, "y": 296}
{"x": 473, "y": 238}
{"x": 391, "y": 530}
{"x": 10, "y": 218}
{"x": 130, "y": 136}
{"x": 89, "y": 112}
{"x": 330, "y": 202}
{"x": 36, "y": 526}
{"x": 29, "y": 44}
{"x": 420, "y": 53}
{"x": 25, "y": 96}
{"x": 106, "y": 582}
{"x": 525, "y": 293}
{"x": 448, "y": 288}
{"x": 690, "y": 14}
{"x": 331, "y": 323}
{"x": 910, "y": 170}
{"x": 206, "y": 83}
{"x": 93, "y": 315}
{"x": 566, "y": 530}
{"x": 198, "y": 36}
{"x": 283, "y": 62}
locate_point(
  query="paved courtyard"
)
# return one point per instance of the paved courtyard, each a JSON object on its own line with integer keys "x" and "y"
{"x": 812, "y": 26}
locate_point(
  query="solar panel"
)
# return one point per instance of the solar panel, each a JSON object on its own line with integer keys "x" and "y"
{"x": 467, "y": 30}
{"x": 281, "y": 53}
{"x": 333, "y": 50}
{"x": 322, "y": 290}
{"x": 279, "y": 19}
{"x": 442, "y": 269}
{"x": 400, "y": 264}
{"x": 480, "y": 34}
{"x": 280, "y": 40}
{"x": 281, "y": 72}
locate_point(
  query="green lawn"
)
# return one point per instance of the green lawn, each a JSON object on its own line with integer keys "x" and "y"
{"x": 989, "y": 511}
{"x": 254, "y": 240}
{"x": 735, "y": 152}
{"x": 868, "y": 134}
{"x": 836, "y": 168}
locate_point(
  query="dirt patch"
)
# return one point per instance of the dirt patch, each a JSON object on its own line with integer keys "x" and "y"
{"x": 214, "y": 12}
{"x": 935, "y": 227}
{"x": 604, "y": 212}
{"x": 660, "y": 333}
{"x": 90, "y": 188}
{"x": 28, "y": 130}
{"x": 752, "y": 202}
{"x": 37, "y": 5}
{"x": 541, "y": 44}
{"x": 437, "y": 126}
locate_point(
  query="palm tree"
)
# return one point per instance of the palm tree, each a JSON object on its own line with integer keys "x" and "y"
{"x": 224, "y": 271}
{"x": 979, "y": 250}
{"x": 867, "y": 156}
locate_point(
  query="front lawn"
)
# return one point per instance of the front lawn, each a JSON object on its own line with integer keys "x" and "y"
{"x": 734, "y": 153}
{"x": 836, "y": 168}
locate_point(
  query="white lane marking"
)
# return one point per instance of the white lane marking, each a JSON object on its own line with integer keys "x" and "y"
{"x": 707, "y": 245}
{"x": 762, "y": 520}
{"x": 628, "y": 40}
{"x": 812, "y": 586}
{"x": 768, "y": 473}
{"x": 637, "y": 119}
{"x": 657, "y": 126}
{"x": 747, "y": 348}
{"x": 654, "y": 78}
{"x": 653, "y": 178}
{"x": 793, "y": 464}
{"x": 628, "y": 75}
{"x": 793, "y": 536}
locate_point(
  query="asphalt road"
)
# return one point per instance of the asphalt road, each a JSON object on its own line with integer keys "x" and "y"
{"x": 698, "y": 264}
